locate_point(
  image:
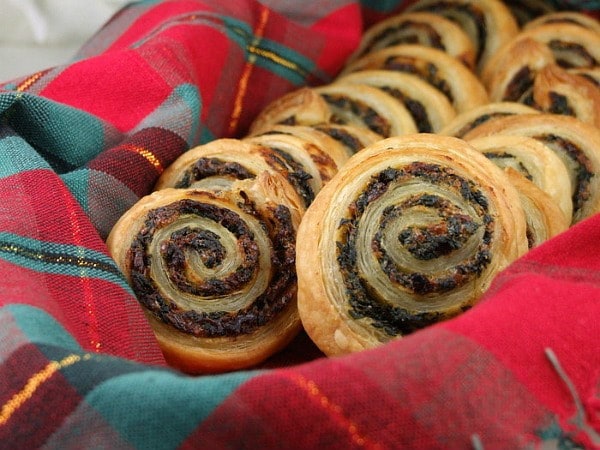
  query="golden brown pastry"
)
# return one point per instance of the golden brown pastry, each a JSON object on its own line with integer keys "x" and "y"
{"x": 429, "y": 108}
{"x": 410, "y": 231}
{"x": 557, "y": 91}
{"x": 468, "y": 120}
{"x": 299, "y": 107}
{"x": 353, "y": 138}
{"x": 214, "y": 272}
{"x": 461, "y": 86}
{"x": 569, "y": 17}
{"x": 577, "y": 143}
{"x": 533, "y": 160}
{"x": 544, "y": 218}
{"x": 215, "y": 165}
{"x": 422, "y": 28}
{"x": 308, "y": 166}
{"x": 510, "y": 73}
{"x": 591, "y": 74}
{"x": 368, "y": 107}
{"x": 335, "y": 149}
{"x": 489, "y": 23}
{"x": 339, "y": 103}
{"x": 571, "y": 44}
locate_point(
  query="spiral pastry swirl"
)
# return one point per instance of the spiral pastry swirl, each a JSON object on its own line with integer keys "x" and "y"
{"x": 409, "y": 232}
{"x": 429, "y": 107}
{"x": 576, "y": 143}
{"x": 558, "y": 91}
{"x": 452, "y": 78}
{"x": 568, "y": 17}
{"x": 332, "y": 147}
{"x": 431, "y": 30}
{"x": 215, "y": 165}
{"x": 510, "y": 72}
{"x": 489, "y": 23}
{"x": 544, "y": 218}
{"x": 215, "y": 272}
{"x": 309, "y": 166}
{"x": 535, "y": 161}
{"x": 302, "y": 106}
{"x": 369, "y": 107}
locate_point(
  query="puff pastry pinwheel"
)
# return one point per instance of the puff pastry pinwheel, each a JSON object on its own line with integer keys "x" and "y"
{"x": 214, "y": 272}
{"x": 459, "y": 84}
{"x": 557, "y": 91}
{"x": 334, "y": 148}
{"x": 510, "y": 75}
{"x": 431, "y": 30}
{"x": 569, "y": 17}
{"x": 468, "y": 120}
{"x": 410, "y": 231}
{"x": 535, "y": 161}
{"x": 309, "y": 167}
{"x": 299, "y": 107}
{"x": 508, "y": 71}
{"x": 428, "y": 106}
{"x": 339, "y": 103}
{"x": 577, "y": 143}
{"x": 215, "y": 165}
{"x": 368, "y": 107}
{"x": 544, "y": 218}
{"x": 489, "y": 23}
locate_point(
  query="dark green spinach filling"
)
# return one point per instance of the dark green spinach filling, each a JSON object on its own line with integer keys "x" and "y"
{"x": 218, "y": 323}
{"x": 208, "y": 167}
{"x": 424, "y": 243}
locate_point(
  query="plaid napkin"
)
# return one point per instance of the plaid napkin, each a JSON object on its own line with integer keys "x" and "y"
{"x": 79, "y": 366}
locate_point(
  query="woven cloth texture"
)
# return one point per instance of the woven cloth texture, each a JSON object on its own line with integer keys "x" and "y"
{"x": 79, "y": 366}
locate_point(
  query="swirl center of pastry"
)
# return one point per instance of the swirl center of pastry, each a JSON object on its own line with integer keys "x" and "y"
{"x": 432, "y": 235}
{"x": 201, "y": 268}
{"x": 439, "y": 233}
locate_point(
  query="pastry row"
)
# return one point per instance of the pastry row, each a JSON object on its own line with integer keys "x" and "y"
{"x": 459, "y": 135}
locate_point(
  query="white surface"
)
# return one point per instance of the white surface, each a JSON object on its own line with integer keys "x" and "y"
{"x": 37, "y": 34}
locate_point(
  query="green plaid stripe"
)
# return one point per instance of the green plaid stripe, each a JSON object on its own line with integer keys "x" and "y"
{"x": 149, "y": 407}
{"x": 65, "y": 259}
{"x": 66, "y": 137}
